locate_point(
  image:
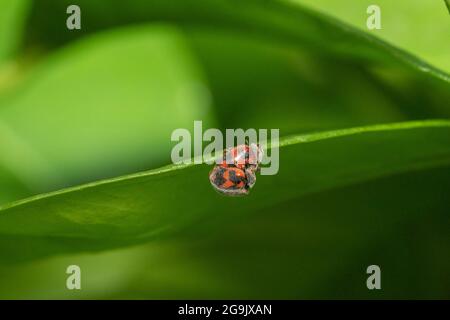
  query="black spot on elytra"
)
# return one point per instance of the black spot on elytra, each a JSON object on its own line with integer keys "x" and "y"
{"x": 233, "y": 177}
{"x": 218, "y": 176}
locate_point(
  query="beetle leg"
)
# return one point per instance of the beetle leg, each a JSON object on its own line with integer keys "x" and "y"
{"x": 251, "y": 178}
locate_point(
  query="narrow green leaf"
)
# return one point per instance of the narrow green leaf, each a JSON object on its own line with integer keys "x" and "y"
{"x": 405, "y": 23}
{"x": 274, "y": 19}
{"x": 142, "y": 206}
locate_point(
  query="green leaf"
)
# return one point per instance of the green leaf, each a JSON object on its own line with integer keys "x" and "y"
{"x": 274, "y": 20}
{"x": 153, "y": 204}
{"x": 314, "y": 246}
{"x": 405, "y": 23}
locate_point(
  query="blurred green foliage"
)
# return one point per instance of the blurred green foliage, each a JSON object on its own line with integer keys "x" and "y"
{"x": 145, "y": 84}
{"x": 404, "y": 22}
{"x": 12, "y": 20}
{"x": 78, "y": 106}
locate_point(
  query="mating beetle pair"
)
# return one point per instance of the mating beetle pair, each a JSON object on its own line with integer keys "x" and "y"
{"x": 236, "y": 175}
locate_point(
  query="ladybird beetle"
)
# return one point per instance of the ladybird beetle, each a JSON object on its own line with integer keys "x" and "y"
{"x": 243, "y": 156}
{"x": 232, "y": 180}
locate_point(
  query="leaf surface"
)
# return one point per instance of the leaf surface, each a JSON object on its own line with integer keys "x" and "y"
{"x": 143, "y": 206}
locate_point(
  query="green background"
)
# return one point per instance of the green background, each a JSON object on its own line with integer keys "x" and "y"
{"x": 85, "y": 123}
